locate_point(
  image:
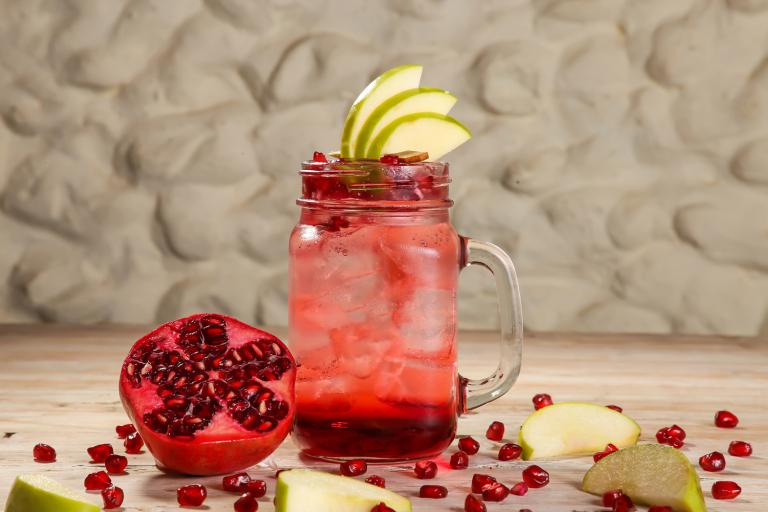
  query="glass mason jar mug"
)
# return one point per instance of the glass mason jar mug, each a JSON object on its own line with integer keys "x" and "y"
{"x": 374, "y": 267}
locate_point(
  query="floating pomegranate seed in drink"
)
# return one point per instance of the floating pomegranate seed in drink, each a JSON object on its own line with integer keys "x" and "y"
{"x": 43, "y": 453}
{"x": 509, "y": 451}
{"x": 541, "y": 400}
{"x": 112, "y": 497}
{"x": 495, "y": 492}
{"x": 519, "y": 489}
{"x": 434, "y": 492}
{"x": 97, "y": 481}
{"x": 191, "y": 495}
{"x": 354, "y": 467}
{"x": 382, "y": 507}
{"x": 535, "y": 477}
{"x": 660, "y": 508}
{"x": 740, "y": 449}
{"x": 459, "y": 460}
{"x": 714, "y": 461}
{"x": 318, "y": 156}
{"x": 133, "y": 443}
{"x": 725, "y": 490}
{"x": 615, "y": 408}
{"x": 623, "y": 503}
{"x": 390, "y": 159}
{"x": 479, "y": 482}
{"x": 609, "y": 449}
{"x": 469, "y": 445}
{"x": 246, "y": 503}
{"x": 116, "y": 464}
{"x": 472, "y": 504}
{"x": 726, "y": 419}
{"x": 425, "y": 469}
{"x": 124, "y": 431}
{"x": 100, "y": 452}
{"x": 495, "y": 431}
{"x": 236, "y": 482}
{"x": 376, "y": 480}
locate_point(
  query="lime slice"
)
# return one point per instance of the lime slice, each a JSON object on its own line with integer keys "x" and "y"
{"x": 575, "y": 428}
{"x": 300, "y": 490}
{"x": 650, "y": 474}
{"x": 38, "y": 493}
{"x": 436, "y": 134}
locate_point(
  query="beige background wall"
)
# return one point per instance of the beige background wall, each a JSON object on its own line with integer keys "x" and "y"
{"x": 148, "y": 150}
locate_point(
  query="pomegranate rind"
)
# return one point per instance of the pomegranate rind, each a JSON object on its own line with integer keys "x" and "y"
{"x": 224, "y": 446}
{"x": 39, "y": 493}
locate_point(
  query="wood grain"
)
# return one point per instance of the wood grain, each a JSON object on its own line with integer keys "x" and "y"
{"x": 59, "y": 385}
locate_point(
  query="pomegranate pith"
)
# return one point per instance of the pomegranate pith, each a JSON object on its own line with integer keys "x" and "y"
{"x": 44, "y": 453}
{"x": 495, "y": 431}
{"x": 133, "y": 443}
{"x": 377, "y": 481}
{"x": 124, "y": 431}
{"x": 495, "y": 492}
{"x": 191, "y": 495}
{"x": 112, "y": 497}
{"x": 100, "y": 452}
{"x": 740, "y": 449}
{"x": 541, "y": 400}
{"x": 535, "y": 477}
{"x": 435, "y": 492}
{"x": 459, "y": 460}
{"x": 713, "y": 462}
{"x": 726, "y": 419}
{"x": 353, "y": 467}
{"x": 246, "y": 503}
{"x": 425, "y": 469}
{"x": 510, "y": 451}
{"x": 472, "y": 504}
{"x": 519, "y": 489}
{"x": 209, "y": 394}
{"x": 116, "y": 464}
{"x": 725, "y": 490}
{"x": 97, "y": 481}
{"x": 480, "y": 481}
{"x": 469, "y": 445}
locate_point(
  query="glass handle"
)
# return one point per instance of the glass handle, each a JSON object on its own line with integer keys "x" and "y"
{"x": 477, "y": 392}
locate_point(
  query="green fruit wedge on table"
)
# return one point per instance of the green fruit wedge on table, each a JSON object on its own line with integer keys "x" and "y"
{"x": 436, "y": 134}
{"x": 302, "y": 490}
{"x": 575, "y": 428}
{"x": 650, "y": 474}
{"x": 38, "y": 493}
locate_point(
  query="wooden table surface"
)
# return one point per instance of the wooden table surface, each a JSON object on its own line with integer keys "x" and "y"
{"x": 59, "y": 385}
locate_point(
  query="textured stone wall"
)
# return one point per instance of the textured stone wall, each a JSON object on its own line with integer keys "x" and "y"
{"x": 148, "y": 151}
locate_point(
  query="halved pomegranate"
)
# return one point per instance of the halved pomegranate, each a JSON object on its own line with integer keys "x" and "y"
{"x": 209, "y": 394}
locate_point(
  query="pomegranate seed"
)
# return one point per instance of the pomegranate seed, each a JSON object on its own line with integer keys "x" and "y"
{"x": 519, "y": 489}
{"x": 116, "y": 463}
{"x": 97, "y": 481}
{"x": 725, "y": 490}
{"x": 472, "y": 504}
{"x": 726, "y": 419}
{"x": 124, "y": 431}
{"x": 425, "y": 469}
{"x": 246, "y": 503}
{"x": 673, "y": 436}
{"x": 435, "y": 492}
{"x": 43, "y": 453}
{"x": 660, "y": 508}
{"x": 319, "y": 156}
{"x": 236, "y": 482}
{"x": 509, "y": 451}
{"x": 390, "y": 159}
{"x": 525, "y": 510}
{"x": 479, "y": 482}
{"x": 609, "y": 497}
{"x": 377, "y": 481}
{"x": 469, "y": 445}
{"x": 495, "y": 492}
{"x": 615, "y": 408}
{"x": 459, "y": 460}
{"x": 740, "y": 449}
{"x": 495, "y": 431}
{"x": 100, "y": 452}
{"x": 677, "y": 432}
{"x": 609, "y": 449}
{"x": 257, "y": 488}
{"x": 382, "y": 507}
{"x": 541, "y": 400}
{"x": 191, "y": 495}
{"x": 623, "y": 503}
{"x": 535, "y": 477}
{"x": 112, "y": 496}
{"x": 354, "y": 467}
{"x": 712, "y": 462}
{"x": 133, "y": 443}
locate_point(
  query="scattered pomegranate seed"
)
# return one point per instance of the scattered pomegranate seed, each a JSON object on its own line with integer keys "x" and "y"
{"x": 434, "y": 492}
{"x": 256, "y": 487}
{"x": 246, "y": 503}
{"x": 389, "y": 159}
{"x": 377, "y": 481}
{"x": 354, "y": 467}
{"x": 44, "y": 453}
{"x": 623, "y": 503}
{"x": 459, "y": 460}
{"x": 191, "y": 495}
{"x": 509, "y": 451}
{"x": 469, "y": 445}
{"x": 112, "y": 496}
{"x": 673, "y": 436}
{"x": 726, "y": 419}
{"x": 725, "y": 490}
{"x": 525, "y": 510}
{"x": 382, "y": 507}
{"x": 133, "y": 443}
{"x": 609, "y": 497}
{"x": 472, "y": 504}
{"x": 740, "y": 449}
{"x": 100, "y": 452}
{"x": 660, "y": 508}
{"x": 495, "y": 431}
{"x": 116, "y": 464}
{"x": 236, "y": 482}
{"x": 541, "y": 400}
{"x": 97, "y": 481}
{"x": 535, "y": 476}
{"x": 519, "y": 489}
{"x": 479, "y": 482}
{"x": 615, "y": 408}
{"x": 609, "y": 449}
{"x": 677, "y": 431}
{"x": 495, "y": 492}
{"x": 319, "y": 156}
{"x": 425, "y": 469}
{"x": 712, "y": 462}
{"x": 124, "y": 431}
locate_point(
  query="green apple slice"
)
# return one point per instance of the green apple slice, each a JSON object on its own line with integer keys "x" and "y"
{"x": 423, "y": 99}
{"x": 650, "y": 474}
{"x": 383, "y": 87}
{"x": 437, "y": 134}
{"x": 38, "y": 493}
{"x": 575, "y": 428}
{"x": 300, "y": 490}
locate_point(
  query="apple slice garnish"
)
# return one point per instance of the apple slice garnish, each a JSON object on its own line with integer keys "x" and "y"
{"x": 436, "y": 134}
